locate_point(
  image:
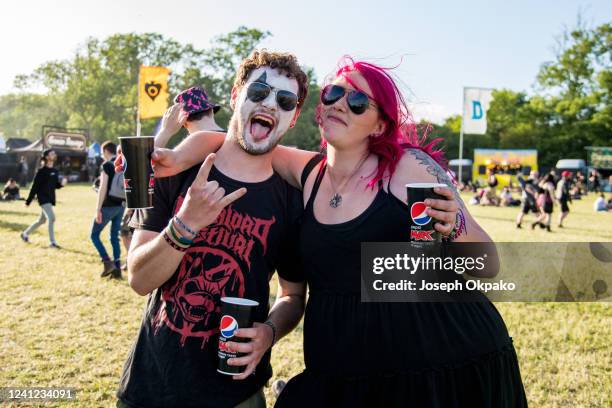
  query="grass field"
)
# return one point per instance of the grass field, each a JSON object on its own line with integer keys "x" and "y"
{"x": 61, "y": 325}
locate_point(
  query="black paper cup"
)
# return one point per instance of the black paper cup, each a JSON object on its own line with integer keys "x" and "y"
{"x": 422, "y": 225}
{"x": 139, "y": 181}
{"x": 236, "y": 313}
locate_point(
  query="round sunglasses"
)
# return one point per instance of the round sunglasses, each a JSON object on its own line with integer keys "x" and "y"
{"x": 358, "y": 102}
{"x": 259, "y": 91}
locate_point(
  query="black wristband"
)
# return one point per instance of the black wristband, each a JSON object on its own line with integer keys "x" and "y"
{"x": 273, "y": 327}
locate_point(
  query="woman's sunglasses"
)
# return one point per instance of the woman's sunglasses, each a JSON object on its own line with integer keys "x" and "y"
{"x": 259, "y": 91}
{"x": 358, "y": 102}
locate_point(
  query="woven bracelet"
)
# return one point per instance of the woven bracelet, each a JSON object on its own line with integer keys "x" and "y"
{"x": 185, "y": 227}
{"x": 174, "y": 244}
{"x": 177, "y": 236}
{"x": 458, "y": 229}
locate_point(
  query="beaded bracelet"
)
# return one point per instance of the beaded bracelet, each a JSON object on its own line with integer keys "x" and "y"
{"x": 177, "y": 236}
{"x": 185, "y": 227}
{"x": 174, "y": 244}
{"x": 458, "y": 229}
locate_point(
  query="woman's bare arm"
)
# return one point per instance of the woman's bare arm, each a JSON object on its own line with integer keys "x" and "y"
{"x": 194, "y": 149}
{"x": 289, "y": 162}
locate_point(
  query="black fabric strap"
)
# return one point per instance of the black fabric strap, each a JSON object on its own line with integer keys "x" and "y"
{"x": 309, "y": 166}
{"x": 315, "y": 188}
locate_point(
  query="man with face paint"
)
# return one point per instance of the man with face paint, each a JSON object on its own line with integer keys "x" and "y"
{"x": 216, "y": 230}
{"x": 257, "y": 129}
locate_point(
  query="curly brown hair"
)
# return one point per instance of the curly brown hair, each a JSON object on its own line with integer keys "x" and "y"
{"x": 282, "y": 61}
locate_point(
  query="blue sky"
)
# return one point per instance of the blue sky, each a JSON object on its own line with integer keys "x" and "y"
{"x": 445, "y": 45}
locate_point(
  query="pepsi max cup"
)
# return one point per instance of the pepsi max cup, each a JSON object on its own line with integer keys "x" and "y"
{"x": 236, "y": 313}
{"x": 422, "y": 225}
{"x": 138, "y": 179}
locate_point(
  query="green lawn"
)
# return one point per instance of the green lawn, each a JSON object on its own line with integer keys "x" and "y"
{"x": 61, "y": 325}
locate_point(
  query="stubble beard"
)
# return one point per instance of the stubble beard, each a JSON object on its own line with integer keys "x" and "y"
{"x": 238, "y": 133}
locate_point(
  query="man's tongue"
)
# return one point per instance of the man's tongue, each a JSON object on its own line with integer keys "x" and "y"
{"x": 259, "y": 131}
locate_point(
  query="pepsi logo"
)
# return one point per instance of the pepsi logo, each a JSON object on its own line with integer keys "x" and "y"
{"x": 229, "y": 325}
{"x": 418, "y": 213}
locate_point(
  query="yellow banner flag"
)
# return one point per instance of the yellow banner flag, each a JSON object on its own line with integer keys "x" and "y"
{"x": 153, "y": 91}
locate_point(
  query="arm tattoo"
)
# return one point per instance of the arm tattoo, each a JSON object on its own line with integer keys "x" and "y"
{"x": 442, "y": 177}
{"x": 436, "y": 170}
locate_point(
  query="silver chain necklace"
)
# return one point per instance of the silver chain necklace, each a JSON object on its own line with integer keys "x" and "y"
{"x": 336, "y": 199}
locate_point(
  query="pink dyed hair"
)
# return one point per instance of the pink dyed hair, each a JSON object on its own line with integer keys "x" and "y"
{"x": 400, "y": 131}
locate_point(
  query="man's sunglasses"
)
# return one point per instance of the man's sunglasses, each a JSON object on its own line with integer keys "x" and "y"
{"x": 259, "y": 91}
{"x": 358, "y": 102}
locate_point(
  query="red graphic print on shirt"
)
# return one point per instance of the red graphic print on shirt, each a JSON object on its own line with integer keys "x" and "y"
{"x": 211, "y": 269}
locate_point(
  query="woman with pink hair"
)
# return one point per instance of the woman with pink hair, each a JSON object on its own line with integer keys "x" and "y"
{"x": 381, "y": 354}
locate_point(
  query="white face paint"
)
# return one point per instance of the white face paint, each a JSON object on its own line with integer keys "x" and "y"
{"x": 248, "y": 123}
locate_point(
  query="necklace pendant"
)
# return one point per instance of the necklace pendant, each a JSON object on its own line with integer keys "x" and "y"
{"x": 335, "y": 201}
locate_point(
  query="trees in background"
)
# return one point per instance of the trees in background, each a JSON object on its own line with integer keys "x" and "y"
{"x": 97, "y": 88}
{"x": 570, "y": 106}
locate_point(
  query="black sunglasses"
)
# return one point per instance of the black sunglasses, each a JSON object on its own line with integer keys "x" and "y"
{"x": 258, "y": 91}
{"x": 358, "y": 102}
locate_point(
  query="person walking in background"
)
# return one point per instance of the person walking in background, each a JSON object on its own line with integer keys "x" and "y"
{"x": 110, "y": 208}
{"x": 23, "y": 172}
{"x": 11, "y": 190}
{"x": 545, "y": 203}
{"x": 528, "y": 196}
{"x": 563, "y": 195}
{"x": 46, "y": 181}
{"x": 126, "y": 233}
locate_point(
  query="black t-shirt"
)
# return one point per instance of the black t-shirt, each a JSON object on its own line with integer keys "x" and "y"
{"x": 174, "y": 360}
{"x": 11, "y": 190}
{"x": 108, "y": 167}
{"x": 46, "y": 181}
{"x": 563, "y": 190}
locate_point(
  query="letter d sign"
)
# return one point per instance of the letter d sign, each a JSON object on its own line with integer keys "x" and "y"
{"x": 476, "y": 110}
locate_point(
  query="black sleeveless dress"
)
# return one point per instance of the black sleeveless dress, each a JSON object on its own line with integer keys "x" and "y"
{"x": 391, "y": 354}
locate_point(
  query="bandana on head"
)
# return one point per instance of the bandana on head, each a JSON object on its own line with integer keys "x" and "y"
{"x": 195, "y": 100}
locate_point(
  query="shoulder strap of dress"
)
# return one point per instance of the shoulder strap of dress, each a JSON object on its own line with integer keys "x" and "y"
{"x": 316, "y": 185}
{"x": 308, "y": 168}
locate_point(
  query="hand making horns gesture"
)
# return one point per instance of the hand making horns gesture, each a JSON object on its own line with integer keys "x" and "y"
{"x": 205, "y": 199}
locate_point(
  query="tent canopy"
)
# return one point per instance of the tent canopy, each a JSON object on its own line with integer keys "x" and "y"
{"x": 94, "y": 150}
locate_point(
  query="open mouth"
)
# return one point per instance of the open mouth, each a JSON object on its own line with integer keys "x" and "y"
{"x": 261, "y": 125}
